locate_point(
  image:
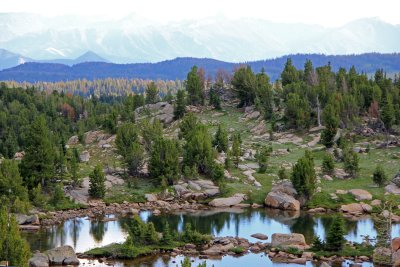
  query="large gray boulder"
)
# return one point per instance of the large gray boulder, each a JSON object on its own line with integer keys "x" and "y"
{"x": 27, "y": 219}
{"x": 360, "y": 194}
{"x": 39, "y": 260}
{"x": 289, "y": 240}
{"x": 64, "y": 255}
{"x": 228, "y": 201}
{"x": 396, "y": 180}
{"x": 282, "y": 196}
{"x": 279, "y": 200}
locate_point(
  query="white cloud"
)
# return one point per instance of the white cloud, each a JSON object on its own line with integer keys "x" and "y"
{"x": 327, "y": 13}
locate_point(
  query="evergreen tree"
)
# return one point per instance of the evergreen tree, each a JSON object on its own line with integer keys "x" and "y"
{"x": 265, "y": 94}
{"x": 331, "y": 121}
{"x": 164, "y": 160}
{"x": 151, "y": 93}
{"x": 188, "y": 124}
{"x": 180, "y": 105}
{"x": 245, "y": 85}
{"x": 11, "y": 183}
{"x": 127, "y": 134}
{"x": 218, "y": 173}
{"x": 236, "y": 149}
{"x": 351, "y": 162}
{"x": 150, "y": 132}
{"x": 37, "y": 166}
{"x": 215, "y": 100}
{"x": 134, "y": 159}
{"x": 335, "y": 237}
{"x": 57, "y": 196}
{"x": 220, "y": 141}
{"x": 297, "y": 112}
{"x": 167, "y": 238}
{"x": 193, "y": 87}
{"x": 304, "y": 177}
{"x": 97, "y": 187}
{"x": 73, "y": 167}
{"x": 262, "y": 158}
{"x": 328, "y": 164}
{"x": 388, "y": 114}
{"x": 379, "y": 177}
{"x": 289, "y": 74}
{"x": 228, "y": 160}
{"x": 151, "y": 236}
{"x": 282, "y": 174}
{"x": 13, "y": 248}
{"x": 198, "y": 150}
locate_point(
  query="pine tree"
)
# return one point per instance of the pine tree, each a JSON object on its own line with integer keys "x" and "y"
{"x": 245, "y": 85}
{"x": 388, "y": 113}
{"x": 262, "y": 158}
{"x": 11, "y": 183}
{"x": 134, "y": 159}
{"x": 289, "y": 74}
{"x": 228, "y": 160}
{"x": 220, "y": 141}
{"x": 379, "y": 177}
{"x": 37, "y": 166}
{"x": 328, "y": 164}
{"x": 97, "y": 187}
{"x": 164, "y": 160}
{"x": 236, "y": 149}
{"x": 218, "y": 173}
{"x": 13, "y": 248}
{"x": 331, "y": 121}
{"x": 351, "y": 162}
{"x": 151, "y": 93}
{"x": 335, "y": 237}
{"x": 167, "y": 238}
{"x": 193, "y": 87}
{"x": 151, "y": 236}
{"x": 73, "y": 167}
{"x": 180, "y": 105}
{"x": 304, "y": 177}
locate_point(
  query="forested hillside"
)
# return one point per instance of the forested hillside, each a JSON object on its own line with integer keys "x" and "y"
{"x": 177, "y": 68}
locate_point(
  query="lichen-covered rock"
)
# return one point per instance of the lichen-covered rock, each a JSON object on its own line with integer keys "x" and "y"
{"x": 228, "y": 201}
{"x": 289, "y": 240}
{"x": 360, "y": 194}
{"x": 39, "y": 260}
{"x": 58, "y": 255}
{"x": 279, "y": 200}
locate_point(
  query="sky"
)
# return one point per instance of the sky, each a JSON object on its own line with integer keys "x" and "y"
{"x": 329, "y": 13}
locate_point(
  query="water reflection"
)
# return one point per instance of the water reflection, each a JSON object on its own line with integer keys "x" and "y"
{"x": 83, "y": 234}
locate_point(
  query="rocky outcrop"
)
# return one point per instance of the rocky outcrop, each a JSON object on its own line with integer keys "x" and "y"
{"x": 64, "y": 255}
{"x": 282, "y": 197}
{"x": 39, "y": 260}
{"x": 196, "y": 189}
{"x": 356, "y": 208}
{"x": 228, "y": 201}
{"x": 251, "y": 113}
{"x": 360, "y": 194}
{"x": 162, "y": 111}
{"x": 392, "y": 189}
{"x": 259, "y": 129}
{"x": 289, "y": 240}
{"x": 23, "y": 219}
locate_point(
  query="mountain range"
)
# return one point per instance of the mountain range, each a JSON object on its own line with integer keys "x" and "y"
{"x": 134, "y": 39}
{"x": 179, "y": 67}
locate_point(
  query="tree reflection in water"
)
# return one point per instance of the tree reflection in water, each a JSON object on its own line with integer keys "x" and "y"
{"x": 97, "y": 230}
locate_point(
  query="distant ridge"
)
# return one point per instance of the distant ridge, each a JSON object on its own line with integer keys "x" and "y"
{"x": 178, "y": 68}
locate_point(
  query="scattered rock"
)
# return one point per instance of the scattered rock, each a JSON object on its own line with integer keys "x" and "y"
{"x": 228, "y": 201}
{"x": 260, "y": 236}
{"x": 317, "y": 210}
{"x": 162, "y": 111}
{"x": 327, "y": 177}
{"x": 392, "y": 188}
{"x": 151, "y": 197}
{"x": 39, "y": 260}
{"x": 376, "y": 202}
{"x": 259, "y": 129}
{"x": 356, "y": 208}
{"x": 341, "y": 174}
{"x": 360, "y": 194}
{"x": 19, "y": 155}
{"x": 84, "y": 156}
{"x": 73, "y": 140}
